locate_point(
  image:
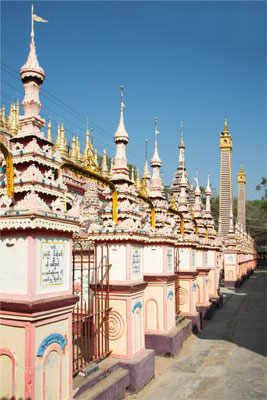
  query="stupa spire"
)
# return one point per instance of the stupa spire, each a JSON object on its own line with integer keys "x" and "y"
{"x": 121, "y": 138}
{"x": 32, "y": 76}
{"x": 181, "y": 147}
{"x": 208, "y": 194}
{"x": 225, "y": 130}
{"x": 104, "y": 166}
{"x": 197, "y": 206}
{"x": 156, "y": 186}
{"x": 87, "y": 145}
{"x": 49, "y": 134}
{"x": 146, "y": 173}
{"x": 156, "y": 161}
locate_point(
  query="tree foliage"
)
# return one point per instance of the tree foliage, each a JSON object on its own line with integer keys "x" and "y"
{"x": 263, "y": 185}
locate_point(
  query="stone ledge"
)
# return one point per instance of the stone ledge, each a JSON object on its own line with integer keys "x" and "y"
{"x": 170, "y": 343}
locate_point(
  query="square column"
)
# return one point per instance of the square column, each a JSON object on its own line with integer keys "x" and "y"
{"x": 186, "y": 286}
{"x": 161, "y": 333}
{"x": 231, "y": 270}
{"x": 36, "y": 314}
{"x": 126, "y": 317}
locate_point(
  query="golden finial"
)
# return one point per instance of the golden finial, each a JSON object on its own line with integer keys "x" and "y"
{"x": 78, "y": 150}
{"x": 132, "y": 173}
{"x": 49, "y": 130}
{"x": 4, "y": 117}
{"x": 95, "y": 157}
{"x": 87, "y": 145}
{"x": 1, "y": 121}
{"x": 241, "y": 177}
{"x": 73, "y": 150}
{"x": 104, "y": 167}
{"x": 111, "y": 168}
{"x": 138, "y": 180}
{"x": 9, "y": 118}
{"x": 13, "y": 122}
{"x": 62, "y": 144}
{"x": 225, "y": 126}
{"x": 57, "y": 142}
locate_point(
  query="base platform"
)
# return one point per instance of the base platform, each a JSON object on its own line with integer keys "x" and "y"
{"x": 233, "y": 284}
{"x": 170, "y": 343}
{"x": 141, "y": 369}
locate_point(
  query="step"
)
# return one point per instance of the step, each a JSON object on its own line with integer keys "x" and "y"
{"x": 112, "y": 387}
{"x": 106, "y": 367}
{"x": 179, "y": 318}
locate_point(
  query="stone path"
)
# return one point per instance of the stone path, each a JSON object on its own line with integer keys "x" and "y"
{"x": 227, "y": 360}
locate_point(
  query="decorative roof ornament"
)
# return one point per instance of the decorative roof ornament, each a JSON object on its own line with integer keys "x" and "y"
{"x": 225, "y": 130}
{"x": 62, "y": 144}
{"x": 57, "y": 142}
{"x": 73, "y": 150}
{"x": 4, "y": 117}
{"x": 138, "y": 180}
{"x": 121, "y": 134}
{"x": 132, "y": 174}
{"x": 104, "y": 166}
{"x": 146, "y": 173}
{"x": 78, "y": 150}
{"x": 156, "y": 161}
{"x": 208, "y": 188}
{"x": 87, "y": 145}
{"x": 49, "y": 130}
{"x": 32, "y": 68}
{"x": 197, "y": 189}
{"x": 121, "y": 138}
{"x": 181, "y": 144}
{"x": 111, "y": 168}
{"x": 13, "y": 124}
{"x": 183, "y": 181}
{"x": 96, "y": 161}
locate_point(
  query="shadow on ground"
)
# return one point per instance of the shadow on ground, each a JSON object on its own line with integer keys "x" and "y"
{"x": 246, "y": 307}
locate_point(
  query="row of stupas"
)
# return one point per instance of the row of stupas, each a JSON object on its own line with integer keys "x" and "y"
{"x": 164, "y": 255}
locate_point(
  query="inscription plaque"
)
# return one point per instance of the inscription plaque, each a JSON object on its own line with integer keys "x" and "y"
{"x": 52, "y": 263}
{"x": 136, "y": 262}
{"x": 169, "y": 260}
{"x": 230, "y": 258}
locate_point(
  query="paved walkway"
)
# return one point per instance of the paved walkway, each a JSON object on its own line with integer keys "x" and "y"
{"x": 227, "y": 360}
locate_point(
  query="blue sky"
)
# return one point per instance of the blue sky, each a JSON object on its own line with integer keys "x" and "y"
{"x": 195, "y": 62}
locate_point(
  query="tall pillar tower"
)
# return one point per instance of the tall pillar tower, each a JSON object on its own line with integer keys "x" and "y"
{"x": 226, "y": 197}
{"x": 241, "y": 205}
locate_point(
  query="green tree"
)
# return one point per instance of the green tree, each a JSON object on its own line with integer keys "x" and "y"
{"x": 263, "y": 185}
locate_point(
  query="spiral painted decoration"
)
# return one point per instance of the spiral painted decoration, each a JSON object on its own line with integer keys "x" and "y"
{"x": 116, "y": 325}
{"x": 182, "y": 295}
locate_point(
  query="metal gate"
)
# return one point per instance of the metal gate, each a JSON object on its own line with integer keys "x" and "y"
{"x": 177, "y": 285}
{"x": 90, "y": 324}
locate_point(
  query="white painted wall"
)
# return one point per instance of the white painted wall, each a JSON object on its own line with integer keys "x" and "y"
{"x": 153, "y": 259}
{"x": 117, "y": 259}
{"x": 14, "y": 264}
{"x": 211, "y": 258}
{"x": 199, "y": 262}
{"x": 184, "y": 257}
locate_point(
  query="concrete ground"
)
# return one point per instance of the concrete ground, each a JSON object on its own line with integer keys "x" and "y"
{"x": 227, "y": 360}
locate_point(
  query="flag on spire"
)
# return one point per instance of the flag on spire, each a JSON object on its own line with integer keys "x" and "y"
{"x": 38, "y": 19}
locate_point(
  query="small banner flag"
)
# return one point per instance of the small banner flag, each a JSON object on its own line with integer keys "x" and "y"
{"x": 38, "y": 19}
